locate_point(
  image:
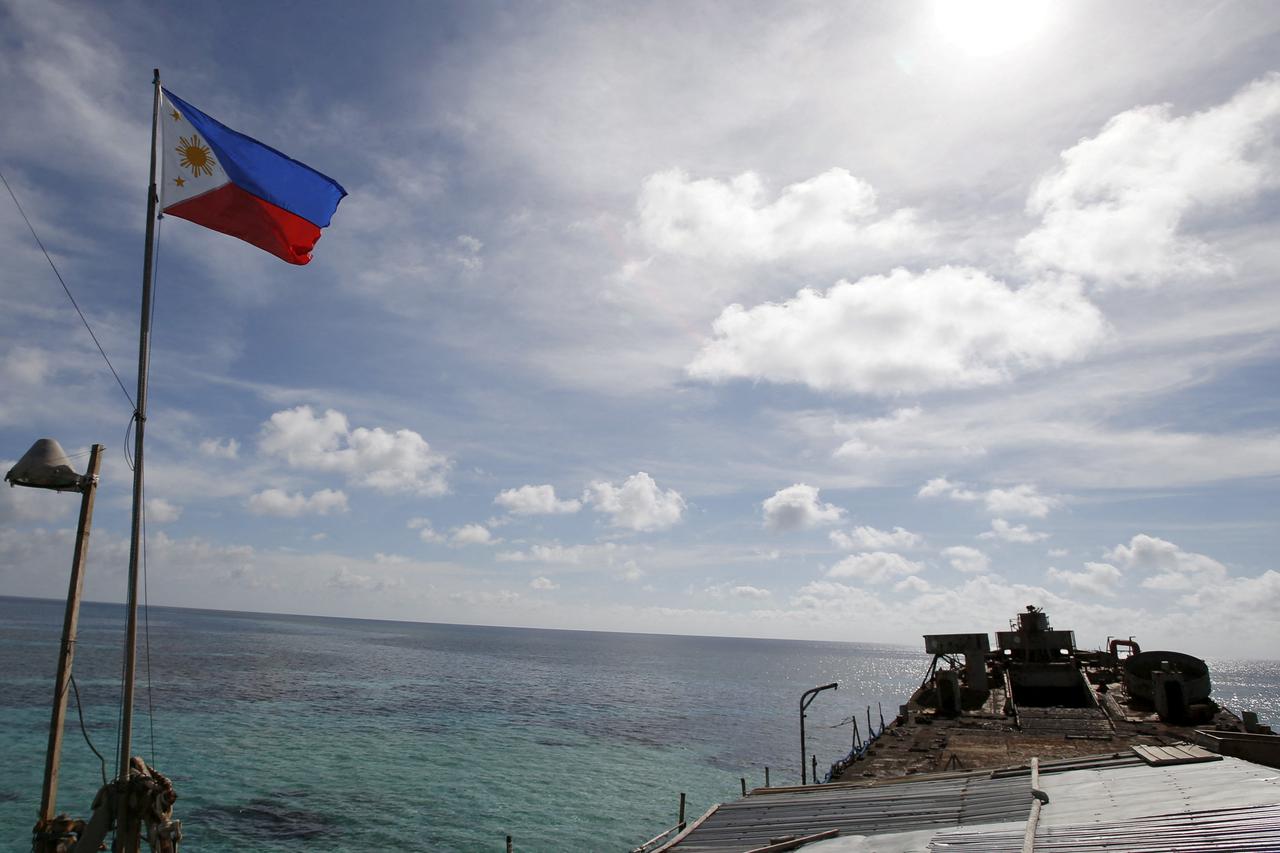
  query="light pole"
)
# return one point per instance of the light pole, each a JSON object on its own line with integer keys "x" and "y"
{"x": 805, "y": 700}
{"x": 45, "y": 466}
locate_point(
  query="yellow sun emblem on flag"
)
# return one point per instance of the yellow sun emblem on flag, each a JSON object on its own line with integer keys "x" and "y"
{"x": 195, "y": 155}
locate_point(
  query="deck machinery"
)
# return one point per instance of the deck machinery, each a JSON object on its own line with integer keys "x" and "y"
{"x": 961, "y": 765}
{"x": 1037, "y": 694}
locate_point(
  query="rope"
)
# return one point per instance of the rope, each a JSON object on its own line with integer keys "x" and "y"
{"x": 84, "y": 731}
{"x": 128, "y": 431}
{"x": 66, "y": 289}
{"x": 119, "y": 712}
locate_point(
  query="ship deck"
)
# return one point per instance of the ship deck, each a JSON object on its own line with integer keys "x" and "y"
{"x": 921, "y": 740}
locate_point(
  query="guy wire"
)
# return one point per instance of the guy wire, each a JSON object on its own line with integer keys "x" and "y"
{"x": 66, "y": 289}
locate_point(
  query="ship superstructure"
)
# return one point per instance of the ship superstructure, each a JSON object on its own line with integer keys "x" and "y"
{"x": 1034, "y": 745}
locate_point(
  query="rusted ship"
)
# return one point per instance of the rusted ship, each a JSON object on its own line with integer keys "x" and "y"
{"x": 1037, "y": 695}
{"x": 1034, "y": 745}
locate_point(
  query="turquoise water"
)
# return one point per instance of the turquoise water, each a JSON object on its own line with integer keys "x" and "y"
{"x": 299, "y": 733}
{"x": 287, "y": 733}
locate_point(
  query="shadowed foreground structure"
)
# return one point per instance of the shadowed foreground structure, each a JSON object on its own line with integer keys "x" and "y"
{"x": 1036, "y": 746}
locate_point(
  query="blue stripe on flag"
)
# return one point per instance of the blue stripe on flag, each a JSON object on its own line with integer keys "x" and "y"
{"x": 265, "y": 172}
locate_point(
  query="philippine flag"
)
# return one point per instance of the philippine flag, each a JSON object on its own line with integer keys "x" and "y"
{"x": 224, "y": 180}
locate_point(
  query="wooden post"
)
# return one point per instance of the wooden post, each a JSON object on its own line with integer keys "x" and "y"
{"x": 70, "y": 620}
{"x": 743, "y": 780}
{"x": 766, "y": 777}
{"x": 815, "y": 768}
{"x": 680, "y": 822}
{"x": 509, "y": 844}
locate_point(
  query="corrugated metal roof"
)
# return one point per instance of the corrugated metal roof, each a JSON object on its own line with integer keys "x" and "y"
{"x": 1252, "y": 829}
{"x": 1229, "y": 805}
{"x": 753, "y": 821}
{"x": 1138, "y": 790}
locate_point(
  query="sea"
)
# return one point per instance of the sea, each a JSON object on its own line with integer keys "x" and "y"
{"x": 297, "y": 733}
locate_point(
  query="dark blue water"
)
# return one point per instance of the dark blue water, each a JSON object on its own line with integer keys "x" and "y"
{"x": 286, "y": 733}
{"x": 301, "y": 733}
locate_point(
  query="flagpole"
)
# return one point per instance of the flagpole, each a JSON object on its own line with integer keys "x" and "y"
{"x": 139, "y": 425}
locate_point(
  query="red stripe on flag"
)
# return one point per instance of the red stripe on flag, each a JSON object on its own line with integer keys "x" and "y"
{"x": 233, "y": 211}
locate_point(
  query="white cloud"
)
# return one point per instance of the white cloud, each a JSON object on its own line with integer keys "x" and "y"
{"x": 1024, "y": 499}
{"x": 1070, "y": 428}
{"x": 798, "y": 508}
{"x": 912, "y": 583}
{"x": 827, "y": 597}
{"x": 555, "y": 553}
{"x": 732, "y": 220}
{"x": 535, "y": 500}
{"x": 562, "y": 554}
{"x": 466, "y": 253}
{"x": 897, "y": 436}
{"x": 161, "y": 511}
{"x": 871, "y": 539}
{"x": 26, "y": 365}
{"x": 1098, "y": 578}
{"x": 485, "y": 598}
{"x": 245, "y": 576}
{"x": 399, "y": 461}
{"x": 942, "y": 487}
{"x": 1170, "y": 567}
{"x": 979, "y": 603}
{"x": 950, "y": 327}
{"x": 471, "y": 534}
{"x": 631, "y": 573}
{"x": 1058, "y": 552}
{"x": 426, "y": 532}
{"x": 347, "y": 580}
{"x": 93, "y": 64}
{"x": 731, "y": 590}
{"x": 638, "y": 504}
{"x": 543, "y": 584}
{"x": 220, "y": 448}
{"x": 281, "y": 503}
{"x": 1114, "y": 210}
{"x": 874, "y": 567}
{"x": 966, "y": 559}
{"x": 1232, "y": 597}
{"x": 1003, "y": 530}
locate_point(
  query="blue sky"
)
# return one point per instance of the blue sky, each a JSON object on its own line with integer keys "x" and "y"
{"x": 780, "y": 320}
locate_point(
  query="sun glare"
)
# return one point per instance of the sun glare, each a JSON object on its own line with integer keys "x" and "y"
{"x": 990, "y": 27}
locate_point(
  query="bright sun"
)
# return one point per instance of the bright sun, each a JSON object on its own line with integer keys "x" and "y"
{"x": 990, "y": 27}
